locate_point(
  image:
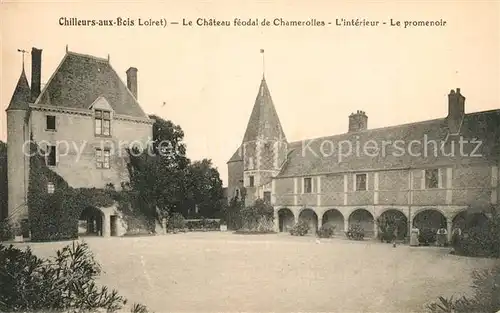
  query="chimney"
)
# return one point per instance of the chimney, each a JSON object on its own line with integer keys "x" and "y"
{"x": 132, "y": 80}
{"x": 358, "y": 121}
{"x": 36, "y": 72}
{"x": 456, "y": 110}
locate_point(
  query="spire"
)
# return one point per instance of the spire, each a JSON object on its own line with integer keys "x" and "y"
{"x": 263, "y": 64}
{"x": 264, "y": 122}
{"x": 21, "y": 97}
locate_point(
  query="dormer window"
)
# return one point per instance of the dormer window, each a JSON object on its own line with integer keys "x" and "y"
{"x": 102, "y": 123}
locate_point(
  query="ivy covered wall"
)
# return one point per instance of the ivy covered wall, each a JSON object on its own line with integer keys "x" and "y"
{"x": 54, "y": 216}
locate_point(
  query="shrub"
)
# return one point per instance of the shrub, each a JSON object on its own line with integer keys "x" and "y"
{"x": 203, "y": 225}
{"x": 6, "y": 230}
{"x": 427, "y": 236}
{"x": 299, "y": 229}
{"x": 481, "y": 241}
{"x": 258, "y": 217}
{"x": 176, "y": 222}
{"x": 355, "y": 232}
{"x": 486, "y": 298}
{"x": 65, "y": 283}
{"x": 326, "y": 231}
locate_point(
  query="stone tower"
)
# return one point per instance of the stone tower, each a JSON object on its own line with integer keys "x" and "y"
{"x": 264, "y": 147}
{"x": 17, "y": 150}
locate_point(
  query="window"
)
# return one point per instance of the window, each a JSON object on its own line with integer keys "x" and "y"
{"x": 51, "y": 156}
{"x": 102, "y": 158}
{"x": 432, "y": 178}
{"x": 237, "y": 193}
{"x": 50, "y": 187}
{"x": 267, "y": 196}
{"x": 50, "y": 122}
{"x": 360, "y": 182}
{"x": 250, "y": 163}
{"x": 307, "y": 185}
{"x": 102, "y": 123}
{"x": 251, "y": 181}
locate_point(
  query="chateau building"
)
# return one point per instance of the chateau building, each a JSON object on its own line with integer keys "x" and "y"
{"x": 83, "y": 120}
{"x": 430, "y": 172}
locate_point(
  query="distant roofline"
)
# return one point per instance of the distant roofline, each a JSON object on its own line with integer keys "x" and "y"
{"x": 392, "y": 126}
{"x": 88, "y": 56}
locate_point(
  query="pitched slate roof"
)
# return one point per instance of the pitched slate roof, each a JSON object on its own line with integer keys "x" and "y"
{"x": 307, "y": 158}
{"x": 264, "y": 121}
{"x": 80, "y": 79}
{"x": 21, "y": 97}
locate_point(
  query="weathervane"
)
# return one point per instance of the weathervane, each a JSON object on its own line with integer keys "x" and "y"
{"x": 22, "y": 52}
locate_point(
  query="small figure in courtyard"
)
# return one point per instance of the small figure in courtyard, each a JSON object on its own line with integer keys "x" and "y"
{"x": 456, "y": 235}
{"x": 415, "y": 232}
{"x": 441, "y": 236}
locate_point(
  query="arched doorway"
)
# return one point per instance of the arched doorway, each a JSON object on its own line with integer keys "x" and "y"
{"x": 310, "y": 217}
{"x": 364, "y": 219}
{"x": 393, "y": 222}
{"x": 285, "y": 219}
{"x": 429, "y": 219}
{"x": 335, "y": 218}
{"x": 465, "y": 220}
{"x": 91, "y": 222}
{"x": 459, "y": 221}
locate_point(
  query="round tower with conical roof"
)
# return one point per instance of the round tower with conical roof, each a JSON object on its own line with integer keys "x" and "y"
{"x": 18, "y": 150}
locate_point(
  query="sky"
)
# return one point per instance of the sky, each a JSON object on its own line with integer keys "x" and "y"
{"x": 209, "y": 77}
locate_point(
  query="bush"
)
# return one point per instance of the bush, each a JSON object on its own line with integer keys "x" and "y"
{"x": 355, "y": 232}
{"x": 203, "y": 225}
{"x": 427, "y": 236}
{"x": 176, "y": 222}
{"x": 300, "y": 229}
{"x": 6, "y": 230}
{"x": 65, "y": 283}
{"x": 257, "y": 218}
{"x": 326, "y": 231}
{"x": 486, "y": 298}
{"x": 478, "y": 242}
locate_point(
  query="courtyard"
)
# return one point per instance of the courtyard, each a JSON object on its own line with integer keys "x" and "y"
{"x": 225, "y": 272}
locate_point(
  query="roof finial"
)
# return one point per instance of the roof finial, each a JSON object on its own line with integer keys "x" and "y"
{"x": 66, "y": 48}
{"x": 263, "y": 63}
{"x": 108, "y": 57}
{"x": 22, "y": 52}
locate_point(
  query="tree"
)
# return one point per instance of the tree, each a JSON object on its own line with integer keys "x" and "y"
{"x": 204, "y": 188}
{"x": 158, "y": 176}
{"x": 163, "y": 180}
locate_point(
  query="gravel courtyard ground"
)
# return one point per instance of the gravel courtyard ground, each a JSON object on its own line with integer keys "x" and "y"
{"x": 225, "y": 272}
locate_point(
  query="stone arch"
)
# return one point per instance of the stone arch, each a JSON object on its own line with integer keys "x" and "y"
{"x": 334, "y": 217}
{"x": 416, "y": 211}
{"x": 91, "y": 222}
{"x": 365, "y": 219}
{"x": 310, "y": 217}
{"x": 466, "y": 220}
{"x": 382, "y": 211}
{"x": 398, "y": 223}
{"x": 430, "y": 219}
{"x": 286, "y": 219}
